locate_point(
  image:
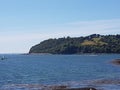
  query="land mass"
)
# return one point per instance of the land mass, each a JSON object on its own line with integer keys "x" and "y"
{"x": 94, "y": 43}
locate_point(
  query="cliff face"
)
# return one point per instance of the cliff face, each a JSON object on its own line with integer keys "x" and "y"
{"x": 90, "y": 44}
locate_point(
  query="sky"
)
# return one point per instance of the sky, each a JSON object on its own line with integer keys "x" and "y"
{"x": 25, "y": 23}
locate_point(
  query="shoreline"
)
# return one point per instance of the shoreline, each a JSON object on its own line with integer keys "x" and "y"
{"x": 71, "y": 54}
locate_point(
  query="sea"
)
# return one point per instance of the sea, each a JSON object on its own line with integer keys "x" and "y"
{"x": 32, "y": 72}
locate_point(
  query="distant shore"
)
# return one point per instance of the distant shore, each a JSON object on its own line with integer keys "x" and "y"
{"x": 69, "y": 54}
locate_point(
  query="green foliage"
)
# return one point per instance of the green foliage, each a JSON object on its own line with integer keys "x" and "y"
{"x": 90, "y": 44}
{"x": 94, "y": 41}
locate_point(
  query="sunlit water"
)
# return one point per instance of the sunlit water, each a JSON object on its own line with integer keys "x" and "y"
{"x": 20, "y": 71}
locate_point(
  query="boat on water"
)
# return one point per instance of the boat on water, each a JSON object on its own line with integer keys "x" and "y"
{"x": 3, "y": 58}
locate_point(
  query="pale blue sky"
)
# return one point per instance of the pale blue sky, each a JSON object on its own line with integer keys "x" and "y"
{"x": 24, "y": 23}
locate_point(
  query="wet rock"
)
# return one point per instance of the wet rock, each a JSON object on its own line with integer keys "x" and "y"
{"x": 107, "y": 81}
{"x": 42, "y": 87}
{"x": 116, "y": 61}
{"x": 76, "y": 89}
{"x": 62, "y": 87}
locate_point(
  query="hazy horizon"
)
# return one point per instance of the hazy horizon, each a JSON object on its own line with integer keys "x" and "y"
{"x": 25, "y": 23}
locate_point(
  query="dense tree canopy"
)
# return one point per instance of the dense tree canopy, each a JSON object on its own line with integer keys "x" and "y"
{"x": 94, "y": 43}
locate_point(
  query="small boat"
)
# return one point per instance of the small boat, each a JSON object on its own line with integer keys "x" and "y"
{"x": 3, "y": 58}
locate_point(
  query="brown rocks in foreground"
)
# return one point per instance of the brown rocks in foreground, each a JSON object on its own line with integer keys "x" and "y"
{"x": 69, "y": 88}
{"x": 43, "y": 87}
{"x": 107, "y": 81}
{"x": 75, "y": 89}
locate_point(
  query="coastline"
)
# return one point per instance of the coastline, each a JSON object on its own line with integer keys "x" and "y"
{"x": 72, "y": 54}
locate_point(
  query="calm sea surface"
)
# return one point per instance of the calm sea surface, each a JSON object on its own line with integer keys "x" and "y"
{"x": 58, "y": 69}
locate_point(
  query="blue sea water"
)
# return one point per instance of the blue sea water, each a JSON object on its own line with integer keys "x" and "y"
{"x": 58, "y": 69}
